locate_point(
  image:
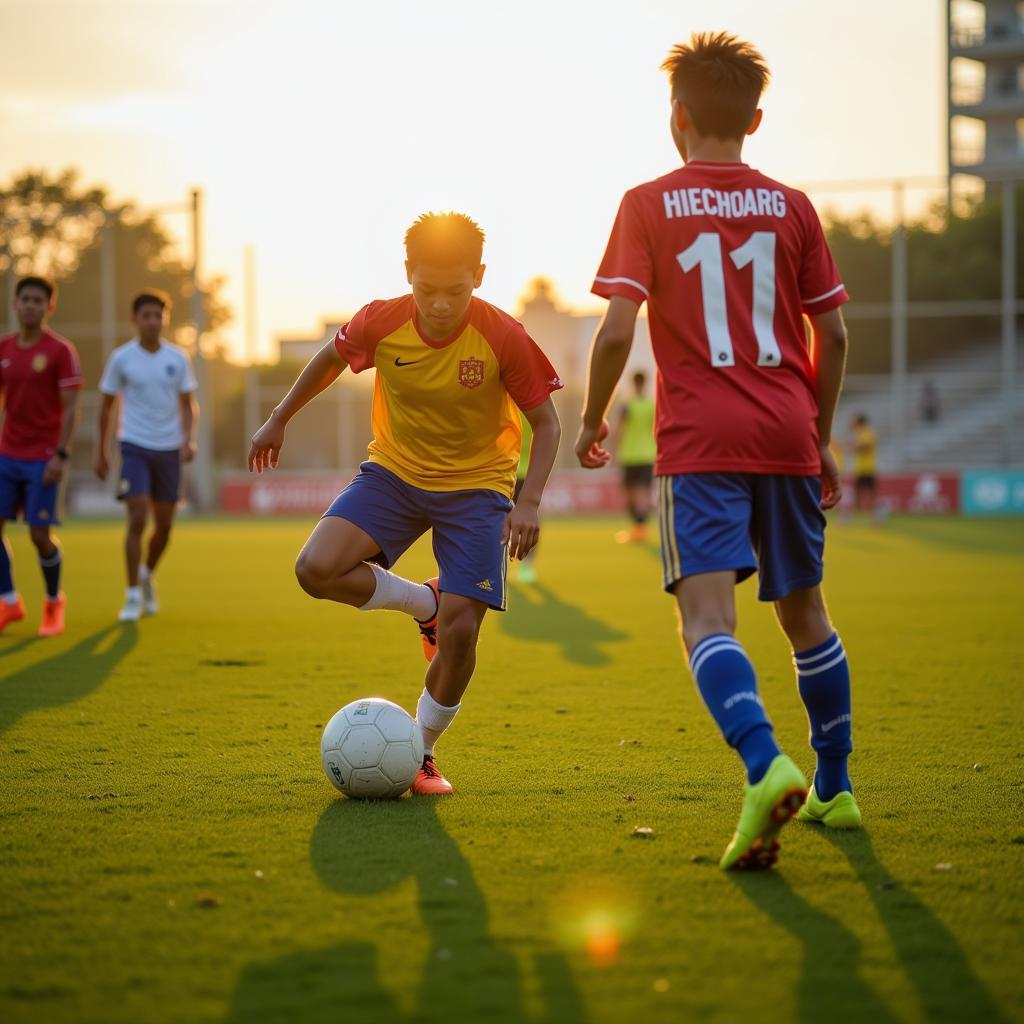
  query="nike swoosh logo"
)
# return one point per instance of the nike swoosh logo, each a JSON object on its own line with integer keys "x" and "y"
{"x": 409, "y": 362}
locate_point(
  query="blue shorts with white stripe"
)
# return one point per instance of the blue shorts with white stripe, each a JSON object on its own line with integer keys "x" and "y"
{"x": 466, "y": 528}
{"x": 744, "y": 523}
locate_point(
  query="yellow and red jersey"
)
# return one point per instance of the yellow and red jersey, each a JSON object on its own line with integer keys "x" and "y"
{"x": 445, "y": 414}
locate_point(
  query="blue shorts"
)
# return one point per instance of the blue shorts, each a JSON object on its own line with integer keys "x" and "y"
{"x": 145, "y": 471}
{"x": 745, "y": 522}
{"x": 466, "y": 526}
{"x": 23, "y": 492}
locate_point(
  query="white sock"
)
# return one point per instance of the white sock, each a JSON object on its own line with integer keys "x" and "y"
{"x": 133, "y": 593}
{"x": 433, "y": 719}
{"x": 143, "y": 573}
{"x": 11, "y": 597}
{"x": 401, "y": 595}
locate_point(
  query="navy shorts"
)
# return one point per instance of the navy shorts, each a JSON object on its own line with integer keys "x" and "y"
{"x": 466, "y": 527}
{"x": 22, "y": 492}
{"x": 145, "y": 471}
{"x": 745, "y": 522}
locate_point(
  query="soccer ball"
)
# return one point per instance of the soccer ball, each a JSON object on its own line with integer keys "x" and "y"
{"x": 371, "y": 749}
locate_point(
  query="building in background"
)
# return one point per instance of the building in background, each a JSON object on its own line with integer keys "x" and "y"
{"x": 301, "y": 350}
{"x": 985, "y": 89}
{"x": 565, "y": 335}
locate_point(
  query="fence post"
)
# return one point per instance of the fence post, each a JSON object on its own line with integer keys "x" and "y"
{"x": 203, "y": 463}
{"x": 108, "y": 285}
{"x": 898, "y": 384}
{"x": 252, "y": 374}
{"x": 1009, "y": 316}
{"x": 11, "y": 280}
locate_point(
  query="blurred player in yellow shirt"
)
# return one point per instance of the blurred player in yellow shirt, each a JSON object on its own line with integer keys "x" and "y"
{"x": 865, "y": 465}
{"x": 635, "y": 451}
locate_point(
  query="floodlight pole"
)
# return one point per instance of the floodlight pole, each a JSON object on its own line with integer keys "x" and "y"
{"x": 1009, "y": 316}
{"x": 252, "y": 377}
{"x": 203, "y": 463}
{"x": 11, "y": 281}
{"x": 898, "y": 355}
{"x": 108, "y": 284}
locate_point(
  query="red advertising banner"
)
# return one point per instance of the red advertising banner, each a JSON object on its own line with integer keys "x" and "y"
{"x": 569, "y": 493}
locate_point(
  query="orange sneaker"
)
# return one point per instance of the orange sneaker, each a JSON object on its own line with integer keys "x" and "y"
{"x": 53, "y": 616}
{"x": 428, "y": 629}
{"x": 429, "y": 781}
{"x": 636, "y": 534}
{"x": 11, "y": 612}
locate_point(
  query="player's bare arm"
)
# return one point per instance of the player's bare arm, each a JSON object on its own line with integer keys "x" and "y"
{"x": 320, "y": 373}
{"x": 522, "y": 527}
{"x": 55, "y": 467}
{"x": 101, "y": 466}
{"x": 608, "y": 356}
{"x": 189, "y": 424}
{"x": 829, "y": 352}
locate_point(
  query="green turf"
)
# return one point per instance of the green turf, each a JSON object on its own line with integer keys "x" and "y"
{"x": 169, "y": 850}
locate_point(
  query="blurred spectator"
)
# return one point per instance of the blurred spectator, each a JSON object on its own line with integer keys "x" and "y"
{"x": 635, "y": 450}
{"x": 865, "y": 466}
{"x": 931, "y": 409}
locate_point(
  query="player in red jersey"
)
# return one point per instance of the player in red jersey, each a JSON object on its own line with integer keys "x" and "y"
{"x": 729, "y": 263}
{"x": 39, "y": 382}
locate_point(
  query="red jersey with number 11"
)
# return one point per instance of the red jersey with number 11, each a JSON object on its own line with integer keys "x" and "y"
{"x": 728, "y": 262}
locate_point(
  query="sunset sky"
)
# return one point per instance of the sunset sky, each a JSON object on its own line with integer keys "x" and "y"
{"x": 318, "y": 131}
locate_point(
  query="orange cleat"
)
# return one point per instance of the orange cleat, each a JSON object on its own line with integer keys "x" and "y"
{"x": 53, "y": 616}
{"x": 11, "y": 613}
{"x": 636, "y": 534}
{"x": 429, "y": 781}
{"x": 428, "y": 629}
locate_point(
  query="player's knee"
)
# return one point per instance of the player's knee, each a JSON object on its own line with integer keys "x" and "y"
{"x": 803, "y": 614}
{"x": 707, "y": 623}
{"x": 457, "y": 633}
{"x": 40, "y": 536}
{"x": 310, "y": 574}
{"x": 136, "y": 521}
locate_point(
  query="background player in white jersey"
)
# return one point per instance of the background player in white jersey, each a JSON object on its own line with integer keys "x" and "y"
{"x": 159, "y": 414}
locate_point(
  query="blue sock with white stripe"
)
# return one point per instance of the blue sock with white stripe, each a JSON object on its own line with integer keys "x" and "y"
{"x": 728, "y": 684}
{"x": 823, "y": 678}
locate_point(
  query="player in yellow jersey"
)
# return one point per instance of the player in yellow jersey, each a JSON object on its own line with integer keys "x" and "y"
{"x": 865, "y": 465}
{"x": 453, "y": 373}
{"x": 635, "y": 451}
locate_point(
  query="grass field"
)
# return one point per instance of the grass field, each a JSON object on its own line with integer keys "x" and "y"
{"x": 170, "y": 851}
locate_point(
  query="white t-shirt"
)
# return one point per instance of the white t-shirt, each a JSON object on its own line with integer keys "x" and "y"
{"x": 149, "y": 384}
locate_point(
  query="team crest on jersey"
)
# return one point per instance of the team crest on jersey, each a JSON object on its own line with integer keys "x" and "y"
{"x": 39, "y": 363}
{"x": 471, "y": 372}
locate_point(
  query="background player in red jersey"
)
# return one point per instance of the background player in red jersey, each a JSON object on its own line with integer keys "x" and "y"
{"x": 729, "y": 262}
{"x": 39, "y": 382}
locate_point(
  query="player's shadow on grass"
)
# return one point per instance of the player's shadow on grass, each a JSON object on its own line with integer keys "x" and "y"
{"x": 362, "y": 849}
{"x": 65, "y": 677}
{"x": 934, "y": 963}
{"x": 539, "y": 615}
{"x": 9, "y": 646}
{"x": 830, "y": 986}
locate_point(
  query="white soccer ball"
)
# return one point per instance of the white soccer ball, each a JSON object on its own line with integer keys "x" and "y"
{"x": 371, "y": 749}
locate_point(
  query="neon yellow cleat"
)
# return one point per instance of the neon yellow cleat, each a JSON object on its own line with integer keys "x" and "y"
{"x": 767, "y": 806}
{"x": 839, "y": 812}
